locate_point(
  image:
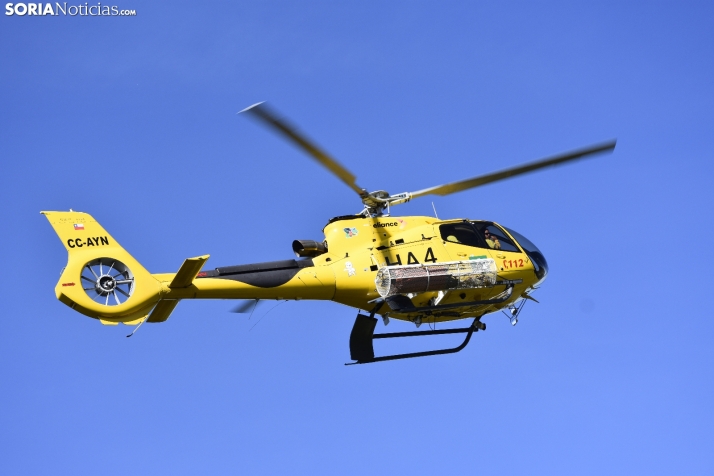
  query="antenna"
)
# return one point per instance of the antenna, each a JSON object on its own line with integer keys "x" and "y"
{"x": 432, "y": 206}
{"x": 137, "y": 327}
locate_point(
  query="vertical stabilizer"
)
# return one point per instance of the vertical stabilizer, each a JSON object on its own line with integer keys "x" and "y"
{"x": 101, "y": 280}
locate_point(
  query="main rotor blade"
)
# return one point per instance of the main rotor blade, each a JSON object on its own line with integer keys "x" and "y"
{"x": 512, "y": 172}
{"x": 262, "y": 112}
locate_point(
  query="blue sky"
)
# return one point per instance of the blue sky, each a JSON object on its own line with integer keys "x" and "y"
{"x": 133, "y": 120}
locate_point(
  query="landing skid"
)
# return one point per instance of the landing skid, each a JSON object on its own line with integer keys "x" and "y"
{"x": 362, "y": 336}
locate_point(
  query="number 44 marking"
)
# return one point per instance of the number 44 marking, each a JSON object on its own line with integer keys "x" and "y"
{"x": 411, "y": 259}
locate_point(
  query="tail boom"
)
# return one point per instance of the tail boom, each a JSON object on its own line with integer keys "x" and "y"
{"x": 103, "y": 281}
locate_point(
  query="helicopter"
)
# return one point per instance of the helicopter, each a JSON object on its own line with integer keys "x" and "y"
{"x": 418, "y": 269}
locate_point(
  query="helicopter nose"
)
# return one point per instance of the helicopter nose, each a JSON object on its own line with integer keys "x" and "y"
{"x": 536, "y": 256}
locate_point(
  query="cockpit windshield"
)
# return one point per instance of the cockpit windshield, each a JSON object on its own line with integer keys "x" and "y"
{"x": 541, "y": 265}
{"x": 479, "y": 234}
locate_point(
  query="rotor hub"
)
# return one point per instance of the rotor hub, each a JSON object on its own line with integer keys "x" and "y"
{"x": 106, "y": 284}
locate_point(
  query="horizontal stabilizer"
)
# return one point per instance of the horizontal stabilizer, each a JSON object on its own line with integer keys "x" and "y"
{"x": 188, "y": 271}
{"x": 163, "y": 310}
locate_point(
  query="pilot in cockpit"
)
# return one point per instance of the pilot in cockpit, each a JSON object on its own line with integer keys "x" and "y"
{"x": 491, "y": 240}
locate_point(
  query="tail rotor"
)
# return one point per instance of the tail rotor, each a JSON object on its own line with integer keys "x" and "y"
{"x": 107, "y": 281}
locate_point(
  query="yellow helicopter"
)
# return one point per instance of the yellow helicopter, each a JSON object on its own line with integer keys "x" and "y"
{"x": 413, "y": 268}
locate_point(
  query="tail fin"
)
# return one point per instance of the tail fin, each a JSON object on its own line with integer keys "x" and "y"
{"x": 101, "y": 280}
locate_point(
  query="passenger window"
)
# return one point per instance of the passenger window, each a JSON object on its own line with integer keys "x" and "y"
{"x": 462, "y": 233}
{"x": 495, "y": 238}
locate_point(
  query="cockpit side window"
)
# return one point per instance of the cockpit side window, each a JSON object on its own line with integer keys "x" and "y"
{"x": 495, "y": 238}
{"x": 462, "y": 233}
